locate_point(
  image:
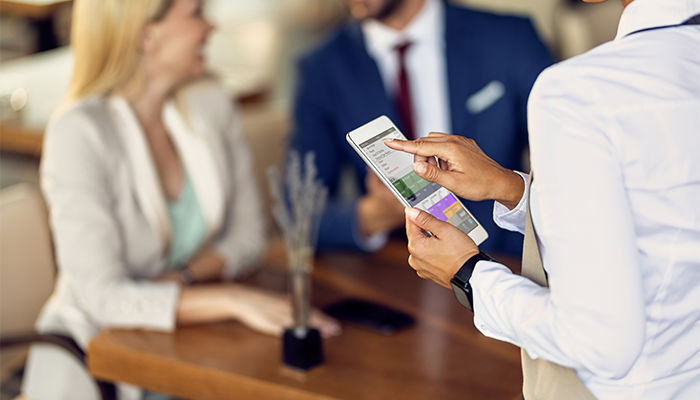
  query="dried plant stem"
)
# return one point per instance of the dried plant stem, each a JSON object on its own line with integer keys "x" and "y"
{"x": 298, "y": 216}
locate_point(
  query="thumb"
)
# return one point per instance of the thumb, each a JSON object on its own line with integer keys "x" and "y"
{"x": 426, "y": 221}
{"x": 433, "y": 173}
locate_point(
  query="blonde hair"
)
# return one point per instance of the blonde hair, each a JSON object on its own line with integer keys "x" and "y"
{"x": 105, "y": 39}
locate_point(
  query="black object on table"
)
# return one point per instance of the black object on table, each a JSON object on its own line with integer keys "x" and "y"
{"x": 373, "y": 316}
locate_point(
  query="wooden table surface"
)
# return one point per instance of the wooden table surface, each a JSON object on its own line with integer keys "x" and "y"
{"x": 442, "y": 356}
{"x": 18, "y": 139}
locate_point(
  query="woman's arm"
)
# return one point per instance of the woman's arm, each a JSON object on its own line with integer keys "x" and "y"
{"x": 262, "y": 311}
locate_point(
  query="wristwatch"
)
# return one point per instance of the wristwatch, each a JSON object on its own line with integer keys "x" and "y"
{"x": 460, "y": 282}
{"x": 186, "y": 276}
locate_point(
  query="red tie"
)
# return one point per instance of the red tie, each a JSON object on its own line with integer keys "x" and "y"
{"x": 403, "y": 96}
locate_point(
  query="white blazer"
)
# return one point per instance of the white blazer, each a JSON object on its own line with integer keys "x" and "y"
{"x": 110, "y": 222}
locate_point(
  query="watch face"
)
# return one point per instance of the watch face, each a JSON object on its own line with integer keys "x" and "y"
{"x": 461, "y": 294}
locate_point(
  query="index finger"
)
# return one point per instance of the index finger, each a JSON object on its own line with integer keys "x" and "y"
{"x": 424, "y": 148}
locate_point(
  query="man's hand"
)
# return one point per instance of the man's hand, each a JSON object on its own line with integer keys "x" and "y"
{"x": 378, "y": 210}
{"x": 436, "y": 258}
{"x": 463, "y": 168}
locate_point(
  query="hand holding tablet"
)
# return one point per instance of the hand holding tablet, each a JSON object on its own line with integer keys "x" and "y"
{"x": 395, "y": 169}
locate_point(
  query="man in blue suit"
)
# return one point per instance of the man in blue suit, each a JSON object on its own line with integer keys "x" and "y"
{"x": 429, "y": 66}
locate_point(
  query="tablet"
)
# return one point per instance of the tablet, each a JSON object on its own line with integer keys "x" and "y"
{"x": 395, "y": 169}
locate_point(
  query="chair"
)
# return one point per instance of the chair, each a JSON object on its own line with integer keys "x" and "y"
{"x": 581, "y": 26}
{"x": 26, "y": 278}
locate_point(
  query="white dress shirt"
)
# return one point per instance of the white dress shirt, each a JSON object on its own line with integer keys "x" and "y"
{"x": 425, "y": 64}
{"x": 615, "y": 141}
{"x": 427, "y": 77}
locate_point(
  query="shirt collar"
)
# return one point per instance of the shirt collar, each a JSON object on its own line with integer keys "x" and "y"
{"x": 644, "y": 14}
{"x": 425, "y": 28}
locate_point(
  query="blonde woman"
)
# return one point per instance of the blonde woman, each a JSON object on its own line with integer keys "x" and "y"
{"x": 150, "y": 188}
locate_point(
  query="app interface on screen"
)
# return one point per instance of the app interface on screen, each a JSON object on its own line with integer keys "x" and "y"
{"x": 397, "y": 166}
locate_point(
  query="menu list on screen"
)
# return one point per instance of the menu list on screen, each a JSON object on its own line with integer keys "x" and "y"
{"x": 397, "y": 167}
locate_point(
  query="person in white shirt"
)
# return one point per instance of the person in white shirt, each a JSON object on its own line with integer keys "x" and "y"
{"x": 615, "y": 145}
{"x": 150, "y": 189}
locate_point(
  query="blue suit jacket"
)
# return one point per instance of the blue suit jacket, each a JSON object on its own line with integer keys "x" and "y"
{"x": 340, "y": 88}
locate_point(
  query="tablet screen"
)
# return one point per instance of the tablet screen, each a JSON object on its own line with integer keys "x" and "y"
{"x": 397, "y": 168}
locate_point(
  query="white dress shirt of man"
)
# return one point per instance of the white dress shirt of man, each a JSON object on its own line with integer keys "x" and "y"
{"x": 420, "y": 24}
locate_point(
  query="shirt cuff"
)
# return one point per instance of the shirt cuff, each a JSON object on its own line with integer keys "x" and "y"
{"x": 368, "y": 243}
{"x": 513, "y": 220}
{"x": 145, "y": 305}
{"x": 484, "y": 277}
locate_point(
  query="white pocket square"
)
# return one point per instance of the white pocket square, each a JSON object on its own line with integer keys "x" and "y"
{"x": 485, "y": 97}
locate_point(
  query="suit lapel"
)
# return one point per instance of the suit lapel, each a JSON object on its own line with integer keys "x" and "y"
{"x": 463, "y": 54}
{"x": 372, "y": 99}
{"x": 198, "y": 161}
{"x": 366, "y": 89}
{"x": 149, "y": 192}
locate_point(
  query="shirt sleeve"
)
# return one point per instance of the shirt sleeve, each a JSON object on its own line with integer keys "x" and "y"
{"x": 591, "y": 317}
{"x": 87, "y": 236}
{"x": 513, "y": 220}
{"x": 369, "y": 243}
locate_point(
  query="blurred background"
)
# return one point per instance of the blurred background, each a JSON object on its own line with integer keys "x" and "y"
{"x": 252, "y": 51}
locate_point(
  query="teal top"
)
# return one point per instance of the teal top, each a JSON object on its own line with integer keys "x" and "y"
{"x": 188, "y": 226}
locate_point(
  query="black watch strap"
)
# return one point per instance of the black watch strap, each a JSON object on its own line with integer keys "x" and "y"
{"x": 460, "y": 282}
{"x": 186, "y": 276}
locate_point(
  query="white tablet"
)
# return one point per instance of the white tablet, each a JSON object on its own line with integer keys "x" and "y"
{"x": 395, "y": 169}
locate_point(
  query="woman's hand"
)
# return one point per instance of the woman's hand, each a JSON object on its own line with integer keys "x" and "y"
{"x": 172, "y": 275}
{"x": 436, "y": 258}
{"x": 463, "y": 168}
{"x": 271, "y": 314}
{"x": 259, "y": 310}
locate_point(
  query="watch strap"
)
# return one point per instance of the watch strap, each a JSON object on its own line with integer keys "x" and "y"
{"x": 467, "y": 269}
{"x": 186, "y": 276}
{"x": 460, "y": 281}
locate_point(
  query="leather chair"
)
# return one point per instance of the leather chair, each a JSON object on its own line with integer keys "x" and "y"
{"x": 27, "y": 273}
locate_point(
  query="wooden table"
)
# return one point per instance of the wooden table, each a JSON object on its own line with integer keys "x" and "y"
{"x": 442, "y": 357}
{"x": 18, "y": 139}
